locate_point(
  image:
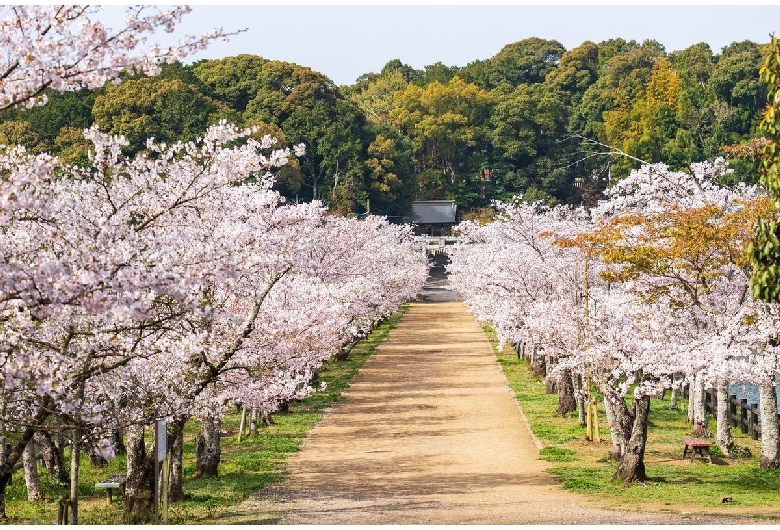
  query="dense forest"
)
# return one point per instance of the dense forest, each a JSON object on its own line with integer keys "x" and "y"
{"x": 535, "y": 119}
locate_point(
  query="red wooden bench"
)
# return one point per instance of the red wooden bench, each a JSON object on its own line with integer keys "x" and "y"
{"x": 697, "y": 447}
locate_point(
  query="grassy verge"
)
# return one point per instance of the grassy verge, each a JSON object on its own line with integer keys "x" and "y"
{"x": 245, "y": 468}
{"x": 676, "y": 484}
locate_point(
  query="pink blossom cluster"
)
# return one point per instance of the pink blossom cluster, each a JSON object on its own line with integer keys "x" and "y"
{"x": 68, "y": 47}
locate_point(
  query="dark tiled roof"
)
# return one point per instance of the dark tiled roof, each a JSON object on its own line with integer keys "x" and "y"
{"x": 433, "y": 212}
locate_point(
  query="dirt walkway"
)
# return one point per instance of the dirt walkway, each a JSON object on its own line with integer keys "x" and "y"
{"x": 429, "y": 433}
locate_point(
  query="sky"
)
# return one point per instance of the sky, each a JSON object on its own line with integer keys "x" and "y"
{"x": 345, "y": 41}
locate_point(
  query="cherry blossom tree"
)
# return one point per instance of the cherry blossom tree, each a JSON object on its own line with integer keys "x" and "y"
{"x": 99, "y": 261}
{"x": 664, "y": 283}
{"x": 154, "y": 286}
{"x": 63, "y": 48}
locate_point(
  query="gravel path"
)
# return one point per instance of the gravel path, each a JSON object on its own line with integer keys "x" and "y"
{"x": 429, "y": 433}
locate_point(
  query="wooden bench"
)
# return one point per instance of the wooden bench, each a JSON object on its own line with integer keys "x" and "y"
{"x": 697, "y": 447}
{"x": 114, "y": 482}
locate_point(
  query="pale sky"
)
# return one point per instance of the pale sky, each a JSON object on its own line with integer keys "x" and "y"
{"x": 346, "y": 41}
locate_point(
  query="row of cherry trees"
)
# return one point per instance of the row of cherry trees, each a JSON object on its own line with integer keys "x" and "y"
{"x": 166, "y": 285}
{"x": 647, "y": 292}
{"x": 156, "y": 287}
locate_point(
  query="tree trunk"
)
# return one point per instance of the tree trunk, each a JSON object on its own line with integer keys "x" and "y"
{"x": 242, "y": 425}
{"x": 11, "y": 455}
{"x": 723, "y": 435}
{"x": 253, "y": 422}
{"x": 699, "y": 412}
{"x": 537, "y": 364}
{"x": 95, "y": 460}
{"x": 566, "y": 402}
{"x": 770, "y": 441}
{"x": 53, "y": 457}
{"x": 31, "y": 479}
{"x": 632, "y": 463}
{"x": 5, "y": 476}
{"x": 580, "y": 402}
{"x": 176, "y": 445}
{"x": 139, "y": 488}
{"x": 119, "y": 444}
{"x": 673, "y": 398}
{"x": 617, "y": 432}
{"x": 74, "y": 475}
{"x": 5, "y": 479}
{"x": 343, "y": 352}
{"x": 207, "y": 449}
{"x": 689, "y": 413}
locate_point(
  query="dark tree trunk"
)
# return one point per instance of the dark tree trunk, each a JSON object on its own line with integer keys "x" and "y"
{"x": 267, "y": 419}
{"x": 343, "y": 352}
{"x": 536, "y": 362}
{"x": 95, "y": 460}
{"x": 139, "y": 488}
{"x": 632, "y": 463}
{"x": 176, "y": 445}
{"x": 11, "y": 455}
{"x": 5, "y": 480}
{"x": 119, "y": 443}
{"x": 566, "y": 402}
{"x": 5, "y": 477}
{"x": 537, "y": 366}
{"x": 207, "y": 449}
{"x": 53, "y": 457}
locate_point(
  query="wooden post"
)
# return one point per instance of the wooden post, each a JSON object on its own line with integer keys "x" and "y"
{"x": 733, "y": 410}
{"x": 754, "y": 428}
{"x": 166, "y": 470}
{"x": 242, "y": 425}
{"x": 156, "y": 477}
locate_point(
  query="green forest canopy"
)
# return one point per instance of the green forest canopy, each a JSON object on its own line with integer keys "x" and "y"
{"x": 532, "y": 120}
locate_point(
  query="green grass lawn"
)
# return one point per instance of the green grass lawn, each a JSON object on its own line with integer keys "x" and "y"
{"x": 676, "y": 484}
{"x": 245, "y": 468}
